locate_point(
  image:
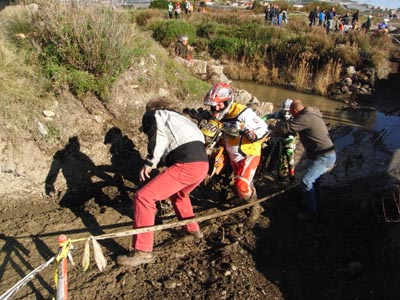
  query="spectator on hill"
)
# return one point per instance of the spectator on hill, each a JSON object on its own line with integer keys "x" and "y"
{"x": 329, "y": 19}
{"x": 285, "y": 17}
{"x": 315, "y": 13}
{"x": 178, "y": 10}
{"x": 346, "y": 22}
{"x": 267, "y": 13}
{"x": 182, "y": 47}
{"x": 187, "y": 7}
{"x": 170, "y": 9}
{"x": 383, "y": 27}
{"x": 311, "y": 19}
{"x": 354, "y": 19}
{"x": 321, "y": 18}
{"x": 272, "y": 14}
{"x": 279, "y": 18}
{"x": 366, "y": 26}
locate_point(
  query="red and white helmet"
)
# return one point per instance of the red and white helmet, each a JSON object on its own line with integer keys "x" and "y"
{"x": 219, "y": 93}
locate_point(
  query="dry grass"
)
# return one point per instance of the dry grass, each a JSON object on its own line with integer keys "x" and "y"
{"x": 238, "y": 71}
{"x": 301, "y": 74}
{"x": 23, "y": 90}
{"x": 263, "y": 75}
{"x": 329, "y": 74}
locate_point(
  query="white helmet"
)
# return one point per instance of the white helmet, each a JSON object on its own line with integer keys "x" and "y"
{"x": 286, "y": 109}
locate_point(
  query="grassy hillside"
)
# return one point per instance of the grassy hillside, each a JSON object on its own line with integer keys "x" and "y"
{"x": 49, "y": 48}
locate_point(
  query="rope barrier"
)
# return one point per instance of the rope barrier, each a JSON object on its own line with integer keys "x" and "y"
{"x": 65, "y": 245}
{"x": 187, "y": 221}
{"x": 26, "y": 279}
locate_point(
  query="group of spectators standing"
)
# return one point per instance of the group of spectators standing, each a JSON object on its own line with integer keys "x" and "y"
{"x": 343, "y": 23}
{"x": 276, "y": 16}
{"x": 176, "y": 10}
{"x": 326, "y": 18}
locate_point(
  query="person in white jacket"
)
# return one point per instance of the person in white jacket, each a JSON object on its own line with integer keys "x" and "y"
{"x": 176, "y": 142}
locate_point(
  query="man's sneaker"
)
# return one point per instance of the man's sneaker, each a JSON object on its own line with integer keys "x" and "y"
{"x": 139, "y": 258}
{"x": 197, "y": 234}
{"x": 306, "y": 216}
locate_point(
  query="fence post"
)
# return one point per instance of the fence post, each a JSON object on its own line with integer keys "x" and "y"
{"x": 62, "y": 278}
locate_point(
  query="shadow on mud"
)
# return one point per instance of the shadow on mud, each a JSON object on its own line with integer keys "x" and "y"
{"x": 16, "y": 256}
{"x": 349, "y": 252}
{"x": 89, "y": 188}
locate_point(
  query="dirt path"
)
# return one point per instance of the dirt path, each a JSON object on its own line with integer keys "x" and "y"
{"x": 351, "y": 252}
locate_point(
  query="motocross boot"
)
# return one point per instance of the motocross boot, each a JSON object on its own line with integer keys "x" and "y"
{"x": 255, "y": 212}
{"x": 256, "y": 209}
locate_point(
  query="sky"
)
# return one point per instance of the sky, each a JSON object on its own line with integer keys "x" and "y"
{"x": 383, "y": 3}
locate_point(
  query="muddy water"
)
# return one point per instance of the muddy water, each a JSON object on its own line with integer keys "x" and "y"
{"x": 333, "y": 111}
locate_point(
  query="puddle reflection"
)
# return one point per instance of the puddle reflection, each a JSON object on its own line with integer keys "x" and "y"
{"x": 333, "y": 112}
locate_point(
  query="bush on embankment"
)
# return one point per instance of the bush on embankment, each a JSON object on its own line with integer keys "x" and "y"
{"x": 48, "y": 48}
{"x": 23, "y": 90}
{"x": 308, "y": 59}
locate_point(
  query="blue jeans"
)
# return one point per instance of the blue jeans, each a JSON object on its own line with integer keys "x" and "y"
{"x": 328, "y": 25}
{"x": 310, "y": 181}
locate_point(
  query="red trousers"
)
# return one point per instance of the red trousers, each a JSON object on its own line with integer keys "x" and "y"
{"x": 244, "y": 171}
{"x": 175, "y": 183}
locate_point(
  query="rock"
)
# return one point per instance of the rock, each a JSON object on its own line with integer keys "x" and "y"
{"x": 364, "y": 91}
{"x": 216, "y": 74}
{"x": 42, "y": 129}
{"x": 163, "y": 92}
{"x": 351, "y": 70}
{"x": 199, "y": 67}
{"x": 49, "y": 113}
{"x": 8, "y": 167}
{"x": 244, "y": 97}
{"x": 98, "y": 118}
{"x": 169, "y": 284}
{"x": 348, "y": 81}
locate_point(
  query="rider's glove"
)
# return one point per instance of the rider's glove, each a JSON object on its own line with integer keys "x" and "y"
{"x": 276, "y": 116}
{"x": 250, "y": 134}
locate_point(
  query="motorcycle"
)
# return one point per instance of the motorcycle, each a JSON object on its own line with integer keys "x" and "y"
{"x": 213, "y": 130}
{"x": 278, "y": 155}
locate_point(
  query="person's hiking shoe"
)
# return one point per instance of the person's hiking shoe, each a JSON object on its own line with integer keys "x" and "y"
{"x": 197, "y": 234}
{"x": 137, "y": 259}
{"x": 306, "y": 216}
{"x": 255, "y": 212}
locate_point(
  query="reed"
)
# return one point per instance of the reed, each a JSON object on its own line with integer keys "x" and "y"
{"x": 329, "y": 74}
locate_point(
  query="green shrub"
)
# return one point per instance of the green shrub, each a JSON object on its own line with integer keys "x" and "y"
{"x": 143, "y": 18}
{"x": 207, "y": 30}
{"x": 95, "y": 44}
{"x": 225, "y": 47}
{"x": 167, "y": 31}
{"x": 159, "y": 4}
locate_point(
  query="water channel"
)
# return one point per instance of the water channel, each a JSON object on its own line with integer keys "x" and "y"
{"x": 333, "y": 112}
